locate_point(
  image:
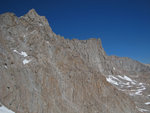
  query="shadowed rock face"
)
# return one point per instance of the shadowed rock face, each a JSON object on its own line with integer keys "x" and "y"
{"x": 41, "y": 72}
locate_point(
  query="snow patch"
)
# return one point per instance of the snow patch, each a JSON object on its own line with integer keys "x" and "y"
{"x": 111, "y": 81}
{"x": 114, "y": 68}
{"x": 147, "y": 103}
{"x": 142, "y": 110}
{"x": 4, "y": 109}
{"x": 24, "y": 54}
{"x": 16, "y": 51}
{"x": 127, "y": 79}
{"x": 25, "y": 61}
{"x": 40, "y": 24}
{"x": 138, "y": 92}
{"x": 5, "y": 67}
{"x": 123, "y": 83}
{"x": 142, "y": 88}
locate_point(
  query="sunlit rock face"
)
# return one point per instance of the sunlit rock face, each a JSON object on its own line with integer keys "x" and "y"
{"x": 41, "y": 72}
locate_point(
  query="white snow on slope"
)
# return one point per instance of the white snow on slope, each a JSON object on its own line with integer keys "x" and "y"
{"x": 5, "y": 67}
{"x": 123, "y": 83}
{"x": 25, "y": 61}
{"x": 141, "y": 90}
{"x": 127, "y": 79}
{"x": 112, "y": 81}
{"x": 129, "y": 86}
{"x": 22, "y": 53}
{"x": 138, "y": 90}
{"x": 142, "y": 110}
{"x": 4, "y": 109}
{"x": 119, "y": 80}
{"x": 132, "y": 87}
{"x": 114, "y": 68}
{"x": 40, "y": 24}
{"x": 147, "y": 103}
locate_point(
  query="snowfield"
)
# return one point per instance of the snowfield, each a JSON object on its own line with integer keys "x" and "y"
{"x": 4, "y": 109}
{"x": 131, "y": 87}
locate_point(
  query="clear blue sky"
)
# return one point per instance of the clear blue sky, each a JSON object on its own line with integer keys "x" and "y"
{"x": 122, "y": 25}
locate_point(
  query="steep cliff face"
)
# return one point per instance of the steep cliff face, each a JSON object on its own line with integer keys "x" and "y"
{"x": 41, "y": 72}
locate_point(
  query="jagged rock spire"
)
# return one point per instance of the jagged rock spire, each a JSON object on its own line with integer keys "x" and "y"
{"x": 32, "y": 14}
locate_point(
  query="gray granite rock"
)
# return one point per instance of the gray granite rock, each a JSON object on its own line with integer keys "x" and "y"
{"x": 41, "y": 72}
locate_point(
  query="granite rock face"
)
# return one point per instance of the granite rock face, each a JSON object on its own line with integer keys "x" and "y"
{"x": 41, "y": 72}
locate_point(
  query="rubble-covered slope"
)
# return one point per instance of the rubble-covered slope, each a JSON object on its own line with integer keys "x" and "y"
{"x": 41, "y": 72}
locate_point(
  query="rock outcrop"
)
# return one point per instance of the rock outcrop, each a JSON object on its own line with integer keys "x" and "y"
{"x": 41, "y": 72}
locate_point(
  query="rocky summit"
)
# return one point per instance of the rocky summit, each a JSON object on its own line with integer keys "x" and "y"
{"x": 41, "y": 72}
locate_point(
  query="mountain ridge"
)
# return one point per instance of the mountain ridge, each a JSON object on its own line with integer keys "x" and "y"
{"x": 48, "y": 73}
